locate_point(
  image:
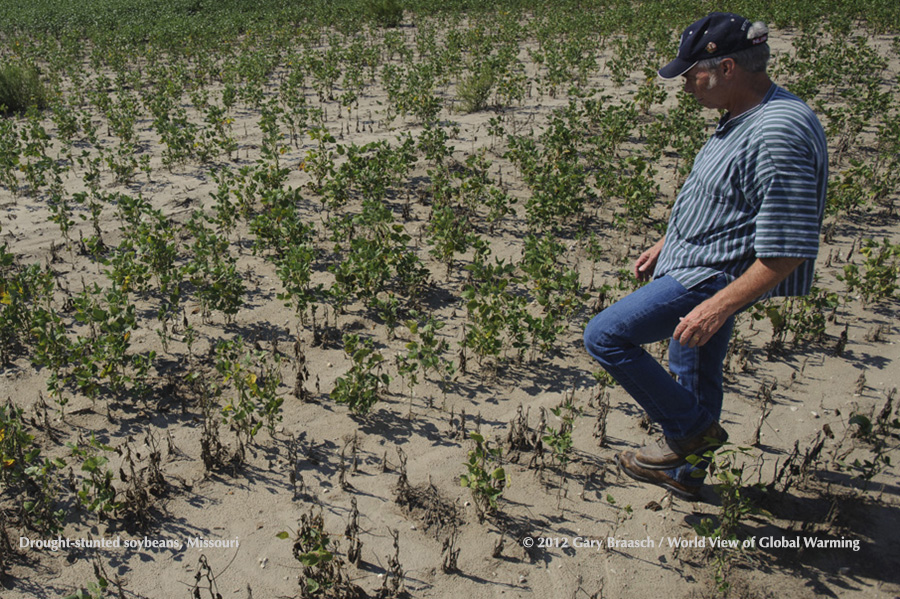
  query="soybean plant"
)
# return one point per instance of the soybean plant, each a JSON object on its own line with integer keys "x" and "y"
{"x": 425, "y": 354}
{"x": 213, "y": 270}
{"x": 484, "y": 477}
{"x": 361, "y": 387}
{"x": 24, "y": 470}
{"x": 255, "y": 378}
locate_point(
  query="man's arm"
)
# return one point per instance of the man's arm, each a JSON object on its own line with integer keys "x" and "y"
{"x": 702, "y": 322}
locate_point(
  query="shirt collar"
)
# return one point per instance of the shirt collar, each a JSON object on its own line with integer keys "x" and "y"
{"x": 726, "y": 123}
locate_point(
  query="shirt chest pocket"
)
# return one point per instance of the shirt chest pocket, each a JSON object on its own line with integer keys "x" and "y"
{"x": 718, "y": 173}
{"x": 722, "y": 190}
{"x": 710, "y": 211}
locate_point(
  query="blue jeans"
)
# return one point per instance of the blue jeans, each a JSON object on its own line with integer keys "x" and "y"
{"x": 684, "y": 406}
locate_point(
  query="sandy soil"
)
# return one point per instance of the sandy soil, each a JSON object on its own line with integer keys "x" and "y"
{"x": 321, "y": 458}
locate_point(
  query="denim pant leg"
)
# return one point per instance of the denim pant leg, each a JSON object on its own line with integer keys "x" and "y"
{"x": 699, "y": 369}
{"x": 614, "y": 338}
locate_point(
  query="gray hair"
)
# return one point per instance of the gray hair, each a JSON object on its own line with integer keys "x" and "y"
{"x": 753, "y": 60}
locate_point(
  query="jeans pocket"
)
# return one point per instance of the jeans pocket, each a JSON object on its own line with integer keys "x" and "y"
{"x": 712, "y": 285}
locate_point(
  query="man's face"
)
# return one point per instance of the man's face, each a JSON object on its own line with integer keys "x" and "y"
{"x": 705, "y": 85}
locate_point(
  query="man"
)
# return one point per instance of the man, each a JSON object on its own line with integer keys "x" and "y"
{"x": 744, "y": 227}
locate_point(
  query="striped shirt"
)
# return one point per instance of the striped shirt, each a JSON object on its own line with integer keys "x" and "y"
{"x": 757, "y": 190}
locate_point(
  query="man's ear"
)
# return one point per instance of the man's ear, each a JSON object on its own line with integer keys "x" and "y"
{"x": 728, "y": 67}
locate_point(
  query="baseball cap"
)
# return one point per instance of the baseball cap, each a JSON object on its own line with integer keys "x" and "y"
{"x": 716, "y": 34}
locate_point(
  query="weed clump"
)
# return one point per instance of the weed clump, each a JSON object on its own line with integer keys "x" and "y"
{"x": 386, "y": 13}
{"x": 474, "y": 91}
{"x": 20, "y": 87}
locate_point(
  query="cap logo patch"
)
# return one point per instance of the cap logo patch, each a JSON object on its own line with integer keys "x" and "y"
{"x": 711, "y": 47}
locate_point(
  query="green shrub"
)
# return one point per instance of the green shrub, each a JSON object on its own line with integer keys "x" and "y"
{"x": 475, "y": 90}
{"x": 20, "y": 87}
{"x": 387, "y": 13}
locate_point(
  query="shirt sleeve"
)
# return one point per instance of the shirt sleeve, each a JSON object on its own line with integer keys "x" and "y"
{"x": 791, "y": 196}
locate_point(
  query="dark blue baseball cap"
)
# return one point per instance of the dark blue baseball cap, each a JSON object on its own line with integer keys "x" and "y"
{"x": 716, "y": 34}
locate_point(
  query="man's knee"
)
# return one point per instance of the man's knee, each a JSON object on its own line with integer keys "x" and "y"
{"x": 599, "y": 339}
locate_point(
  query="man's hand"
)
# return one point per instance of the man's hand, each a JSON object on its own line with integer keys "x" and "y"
{"x": 646, "y": 262}
{"x": 701, "y": 323}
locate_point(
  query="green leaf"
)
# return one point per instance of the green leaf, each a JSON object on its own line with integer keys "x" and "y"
{"x": 283, "y": 534}
{"x": 93, "y": 463}
{"x": 865, "y": 425}
{"x": 361, "y": 354}
{"x": 775, "y": 317}
{"x": 309, "y": 559}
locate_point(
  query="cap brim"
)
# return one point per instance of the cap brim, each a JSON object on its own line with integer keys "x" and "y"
{"x": 676, "y": 68}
